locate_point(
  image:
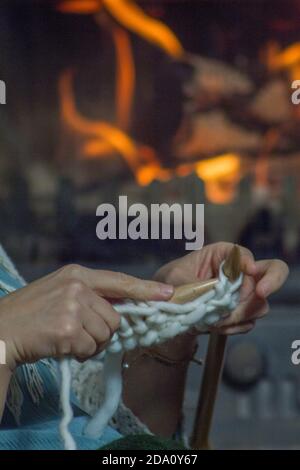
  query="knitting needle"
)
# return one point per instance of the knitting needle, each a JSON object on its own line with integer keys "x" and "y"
{"x": 213, "y": 367}
{"x": 189, "y": 292}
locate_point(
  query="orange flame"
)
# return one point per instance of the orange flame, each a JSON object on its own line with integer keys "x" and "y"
{"x": 129, "y": 15}
{"x": 286, "y": 59}
{"x": 125, "y": 76}
{"x": 132, "y": 17}
{"x": 107, "y": 136}
{"x": 221, "y": 175}
{"x": 80, "y": 7}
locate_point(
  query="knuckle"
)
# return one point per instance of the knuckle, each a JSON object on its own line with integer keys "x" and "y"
{"x": 71, "y": 308}
{"x": 68, "y": 329}
{"x": 74, "y": 288}
{"x": 246, "y": 251}
{"x": 72, "y": 271}
{"x": 175, "y": 275}
{"x": 124, "y": 279}
{"x": 127, "y": 283}
{"x": 121, "y": 277}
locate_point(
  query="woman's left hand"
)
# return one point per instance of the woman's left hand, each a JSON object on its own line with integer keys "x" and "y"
{"x": 261, "y": 278}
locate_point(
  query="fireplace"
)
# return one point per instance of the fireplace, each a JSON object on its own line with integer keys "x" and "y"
{"x": 186, "y": 101}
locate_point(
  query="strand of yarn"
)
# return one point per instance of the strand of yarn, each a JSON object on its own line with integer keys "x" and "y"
{"x": 112, "y": 376}
{"x": 67, "y": 411}
{"x": 146, "y": 324}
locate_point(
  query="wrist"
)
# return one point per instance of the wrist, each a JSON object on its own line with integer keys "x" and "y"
{"x": 5, "y": 372}
{"x": 5, "y": 377}
{"x": 8, "y": 361}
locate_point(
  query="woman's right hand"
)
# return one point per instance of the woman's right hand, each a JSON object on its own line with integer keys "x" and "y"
{"x": 66, "y": 313}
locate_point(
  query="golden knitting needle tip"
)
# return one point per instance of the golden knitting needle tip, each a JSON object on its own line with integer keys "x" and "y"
{"x": 190, "y": 292}
{"x": 232, "y": 265}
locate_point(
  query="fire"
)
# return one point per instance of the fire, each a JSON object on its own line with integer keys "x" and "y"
{"x": 221, "y": 175}
{"x": 102, "y": 140}
{"x": 125, "y": 76}
{"x": 148, "y": 173}
{"x": 80, "y": 7}
{"x": 286, "y": 59}
{"x": 129, "y": 15}
{"x": 105, "y": 136}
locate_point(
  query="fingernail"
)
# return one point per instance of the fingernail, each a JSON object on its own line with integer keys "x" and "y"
{"x": 166, "y": 290}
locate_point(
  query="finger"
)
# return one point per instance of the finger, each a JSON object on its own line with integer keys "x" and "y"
{"x": 103, "y": 309}
{"x": 120, "y": 285}
{"x": 248, "y": 265}
{"x": 223, "y": 250}
{"x": 96, "y": 327}
{"x": 247, "y": 288}
{"x": 236, "y": 330}
{"x": 273, "y": 274}
{"x": 84, "y": 347}
{"x": 179, "y": 272}
{"x": 246, "y": 312}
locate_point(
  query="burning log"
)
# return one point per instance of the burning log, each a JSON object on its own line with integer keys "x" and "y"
{"x": 213, "y": 133}
{"x": 214, "y": 80}
{"x": 272, "y": 104}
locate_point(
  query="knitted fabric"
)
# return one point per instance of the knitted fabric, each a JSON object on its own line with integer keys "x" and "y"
{"x": 146, "y": 324}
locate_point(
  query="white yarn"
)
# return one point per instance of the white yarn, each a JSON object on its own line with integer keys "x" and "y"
{"x": 65, "y": 391}
{"x": 112, "y": 374}
{"x": 145, "y": 324}
{"x": 88, "y": 387}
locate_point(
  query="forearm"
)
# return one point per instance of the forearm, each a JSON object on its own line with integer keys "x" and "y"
{"x": 154, "y": 388}
{"x": 5, "y": 376}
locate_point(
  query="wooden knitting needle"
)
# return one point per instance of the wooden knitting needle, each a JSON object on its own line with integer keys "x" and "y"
{"x": 189, "y": 292}
{"x": 213, "y": 368}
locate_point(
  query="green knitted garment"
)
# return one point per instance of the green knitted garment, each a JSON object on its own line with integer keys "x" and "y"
{"x": 143, "y": 442}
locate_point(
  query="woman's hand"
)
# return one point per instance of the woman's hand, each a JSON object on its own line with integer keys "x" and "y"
{"x": 261, "y": 278}
{"x": 66, "y": 313}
